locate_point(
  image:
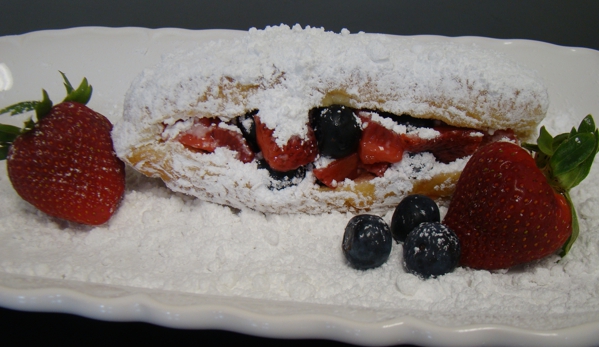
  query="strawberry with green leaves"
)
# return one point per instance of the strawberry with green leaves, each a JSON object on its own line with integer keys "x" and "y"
{"x": 64, "y": 162}
{"x": 511, "y": 207}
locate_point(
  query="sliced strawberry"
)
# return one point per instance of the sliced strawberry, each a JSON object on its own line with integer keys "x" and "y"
{"x": 377, "y": 169}
{"x": 199, "y": 136}
{"x": 297, "y": 152}
{"x": 338, "y": 170}
{"x": 207, "y": 135}
{"x": 452, "y": 143}
{"x": 379, "y": 144}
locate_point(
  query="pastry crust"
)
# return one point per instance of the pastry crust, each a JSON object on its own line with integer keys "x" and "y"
{"x": 284, "y": 73}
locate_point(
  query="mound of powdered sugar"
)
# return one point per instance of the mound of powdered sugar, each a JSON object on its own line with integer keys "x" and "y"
{"x": 168, "y": 241}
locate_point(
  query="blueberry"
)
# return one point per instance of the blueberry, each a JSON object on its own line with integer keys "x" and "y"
{"x": 410, "y": 212}
{"x": 409, "y": 121}
{"x": 367, "y": 242}
{"x": 247, "y": 126}
{"x": 337, "y": 131}
{"x": 280, "y": 180}
{"x": 431, "y": 250}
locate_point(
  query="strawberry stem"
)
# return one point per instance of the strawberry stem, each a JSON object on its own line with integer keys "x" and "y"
{"x": 575, "y": 227}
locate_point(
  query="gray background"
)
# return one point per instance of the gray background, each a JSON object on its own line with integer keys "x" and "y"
{"x": 568, "y": 22}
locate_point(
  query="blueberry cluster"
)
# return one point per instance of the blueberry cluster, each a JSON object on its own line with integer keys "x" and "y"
{"x": 411, "y": 212}
{"x": 430, "y": 249}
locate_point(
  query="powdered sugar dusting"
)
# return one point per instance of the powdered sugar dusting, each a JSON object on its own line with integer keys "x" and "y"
{"x": 284, "y": 72}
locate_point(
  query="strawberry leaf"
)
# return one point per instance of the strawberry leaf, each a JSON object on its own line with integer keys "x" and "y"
{"x": 43, "y": 107}
{"x": 8, "y": 133}
{"x": 572, "y": 152}
{"x": 533, "y": 147}
{"x": 583, "y": 170}
{"x": 587, "y": 125}
{"x": 20, "y": 108}
{"x": 559, "y": 139}
{"x": 82, "y": 94}
{"x": 571, "y": 179}
{"x": 3, "y": 151}
{"x": 545, "y": 142}
{"x": 28, "y": 125}
{"x": 573, "y": 132}
{"x": 67, "y": 83}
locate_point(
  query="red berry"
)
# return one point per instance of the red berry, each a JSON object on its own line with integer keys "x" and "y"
{"x": 379, "y": 144}
{"x": 338, "y": 170}
{"x": 452, "y": 143}
{"x": 207, "y": 135}
{"x": 504, "y": 211}
{"x": 66, "y": 165}
{"x": 297, "y": 152}
{"x": 377, "y": 169}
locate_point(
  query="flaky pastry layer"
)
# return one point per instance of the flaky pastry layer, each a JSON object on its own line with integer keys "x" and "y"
{"x": 284, "y": 73}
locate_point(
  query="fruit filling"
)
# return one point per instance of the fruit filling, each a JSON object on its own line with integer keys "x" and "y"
{"x": 207, "y": 134}
{"x": 341, "y": 143}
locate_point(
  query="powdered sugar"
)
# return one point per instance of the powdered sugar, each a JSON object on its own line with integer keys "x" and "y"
{"x": 284, "y": 72}
{"x": 420, "y": 132}
{"x": 169, "y": 241}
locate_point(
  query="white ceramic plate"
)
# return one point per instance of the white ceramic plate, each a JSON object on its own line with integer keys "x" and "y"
{"x": 110, "y": 58}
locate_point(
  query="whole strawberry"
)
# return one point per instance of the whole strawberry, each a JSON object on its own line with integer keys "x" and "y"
{"x": 510, "y": 208}
{"x": 64, "y": 164}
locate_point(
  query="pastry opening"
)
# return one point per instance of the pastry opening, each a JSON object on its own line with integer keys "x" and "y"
{"x": 343, "y": 143}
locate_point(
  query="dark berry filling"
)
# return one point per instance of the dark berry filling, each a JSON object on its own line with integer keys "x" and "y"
{"x": 280, "y": 180}
{"x": 248, "y": 129}
{"x": 337, "y": 131}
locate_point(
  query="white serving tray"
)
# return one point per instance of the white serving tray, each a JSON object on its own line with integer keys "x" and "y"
{"x": 111, "y": 57}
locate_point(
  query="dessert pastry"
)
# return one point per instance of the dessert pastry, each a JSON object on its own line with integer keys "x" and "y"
{"x": 290, "y": 120}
